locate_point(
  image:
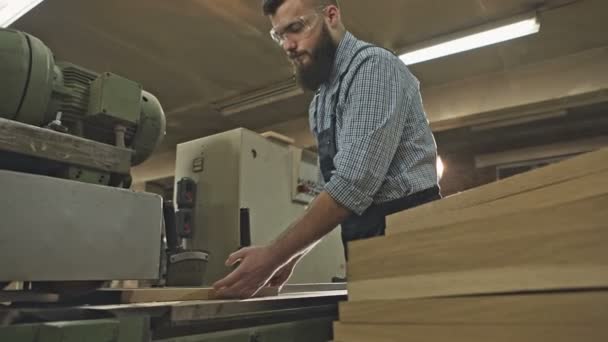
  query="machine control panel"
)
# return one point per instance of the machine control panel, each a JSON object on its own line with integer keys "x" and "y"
{"x": 186, "y": 199}
{"x": 186, "y": 193}
{"x": 185, "y": 223}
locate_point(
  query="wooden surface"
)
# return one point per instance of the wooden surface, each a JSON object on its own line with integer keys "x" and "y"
{"x": 589, "y": 307}
{"x": 481, "y": 281}
{"x": 575, "y": 233}
{"x": 469, "y": 333}
{"x": 278, "y": 137}
{"x": 130, "y": 296}
{"x": 570, "y": 169}
{"x": 47, "y": 144}
{"x": 569, "y": 191}
{"x": 125, "y": 296}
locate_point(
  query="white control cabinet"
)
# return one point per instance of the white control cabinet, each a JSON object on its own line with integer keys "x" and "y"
{"x": 241, "y": 169}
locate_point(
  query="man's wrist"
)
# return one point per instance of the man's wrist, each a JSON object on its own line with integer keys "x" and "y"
{"x": 278, "y": 252}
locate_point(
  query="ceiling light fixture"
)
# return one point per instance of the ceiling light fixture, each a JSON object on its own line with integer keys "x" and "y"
{"x": 485, "y": 35}
{"x": 258, "y": 97}
{"x": 11, "y": 10}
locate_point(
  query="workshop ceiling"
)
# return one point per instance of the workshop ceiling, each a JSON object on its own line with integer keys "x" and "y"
{"x": 193, "y": 54}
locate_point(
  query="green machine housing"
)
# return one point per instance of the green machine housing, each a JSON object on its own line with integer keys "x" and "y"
{"x": 68, "y": 139}
{"x": 102, "y": 107}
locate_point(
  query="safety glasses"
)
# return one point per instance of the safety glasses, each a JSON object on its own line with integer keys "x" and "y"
{"x": 297, "y": 29}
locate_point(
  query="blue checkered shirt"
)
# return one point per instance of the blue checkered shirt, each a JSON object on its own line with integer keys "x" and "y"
{"x": 386, "y": 149}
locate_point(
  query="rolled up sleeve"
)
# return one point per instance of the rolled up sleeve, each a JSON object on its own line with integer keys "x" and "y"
{"x": 372, "y": 124}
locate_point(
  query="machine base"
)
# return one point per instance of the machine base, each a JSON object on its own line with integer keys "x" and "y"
{"x": 61, "y": 230}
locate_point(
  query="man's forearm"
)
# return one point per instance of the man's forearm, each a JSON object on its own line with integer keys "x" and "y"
{"x": 323, "y": 215}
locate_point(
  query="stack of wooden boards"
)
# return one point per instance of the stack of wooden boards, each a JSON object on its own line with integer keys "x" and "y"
{"x": 522, "y": 259}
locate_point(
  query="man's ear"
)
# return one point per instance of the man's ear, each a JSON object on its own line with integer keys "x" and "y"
{"x": 333, "y": 16}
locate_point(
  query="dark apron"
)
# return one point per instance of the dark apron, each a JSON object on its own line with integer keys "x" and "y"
{"x": 373, "y": 221}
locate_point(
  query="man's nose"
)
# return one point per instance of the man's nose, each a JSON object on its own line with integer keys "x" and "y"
{"x": 289, "y": 45}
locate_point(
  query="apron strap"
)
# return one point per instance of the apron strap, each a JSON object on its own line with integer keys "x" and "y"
{"x": 327, "y": 137}
{"x": 333, "y": 113}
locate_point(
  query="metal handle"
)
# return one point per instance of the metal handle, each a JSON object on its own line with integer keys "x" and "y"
{"x": 170, "y": 229}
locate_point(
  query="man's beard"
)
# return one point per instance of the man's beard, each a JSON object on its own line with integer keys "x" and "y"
{"x": 322, "y": 59}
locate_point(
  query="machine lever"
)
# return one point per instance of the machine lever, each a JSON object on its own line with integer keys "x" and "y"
{"x": 245, "y": 228}
{"x": 170, "y": 228}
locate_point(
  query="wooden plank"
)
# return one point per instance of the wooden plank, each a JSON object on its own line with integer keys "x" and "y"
{"x": 125, "y": 296}
{"x": 534, "y": 308}
{"x": 482, "y": 281}
{"x": 130, "y": 296}
{"x": 573, "y": 168}
{"x": 283, "y": 139}
{"x": 569, "y": 191}
{"x": 574, "y": 233}
{"x": 325, "y": 301}
{"x": 468, "y": 333}
{"x": 44, "y": 143}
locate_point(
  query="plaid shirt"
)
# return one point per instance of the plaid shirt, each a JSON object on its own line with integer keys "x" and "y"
{"x": 386, "y": 149}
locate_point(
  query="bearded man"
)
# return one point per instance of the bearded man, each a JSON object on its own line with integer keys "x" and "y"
{"x": 377, "y": 153}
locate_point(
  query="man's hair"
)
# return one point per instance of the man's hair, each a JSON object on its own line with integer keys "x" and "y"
{"x": 270, "y": 7}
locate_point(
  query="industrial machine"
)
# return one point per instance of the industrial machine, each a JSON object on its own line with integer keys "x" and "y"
{"x": 248, "y": 190}
{"x": 68, "y": 138}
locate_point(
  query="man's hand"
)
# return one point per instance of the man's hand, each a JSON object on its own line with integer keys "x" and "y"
{"x": 257, "y": 266}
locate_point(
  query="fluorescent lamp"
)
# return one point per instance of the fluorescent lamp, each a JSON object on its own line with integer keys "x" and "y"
{"x": 11, "y": 10}
{"x": 514, "y": 28}
{"x": 259, "y": 97}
